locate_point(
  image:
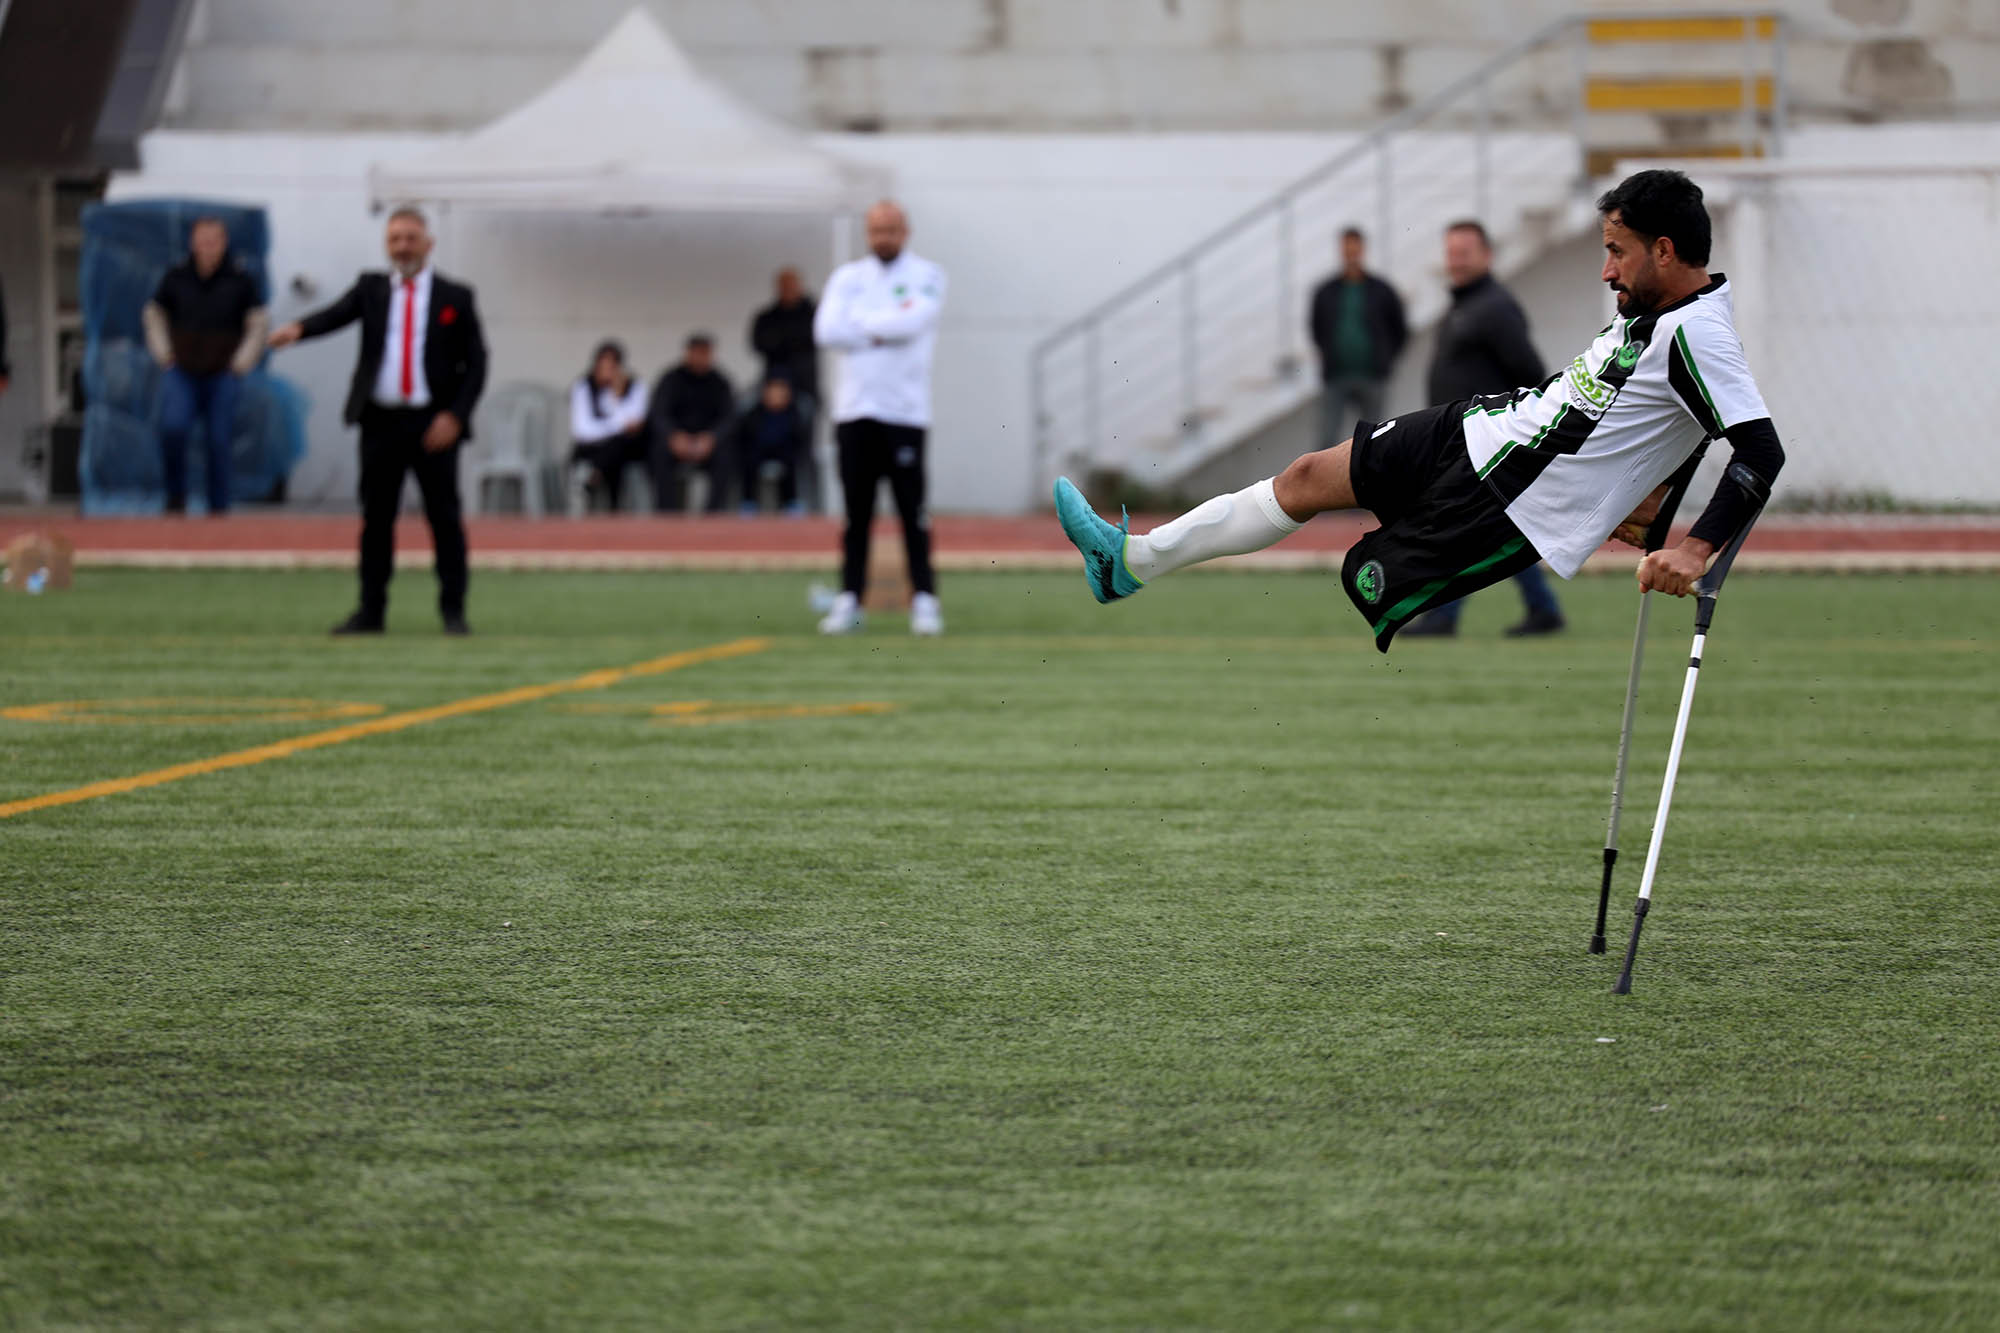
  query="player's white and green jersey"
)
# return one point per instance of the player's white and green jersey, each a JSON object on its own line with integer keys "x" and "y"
{"x": 1573, "y": 456}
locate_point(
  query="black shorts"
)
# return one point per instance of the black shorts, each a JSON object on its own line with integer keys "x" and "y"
{"x": 1444, "y": 532}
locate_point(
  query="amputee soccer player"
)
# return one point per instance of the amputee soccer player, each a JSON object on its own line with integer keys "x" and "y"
{"x": 1469, "y": 493}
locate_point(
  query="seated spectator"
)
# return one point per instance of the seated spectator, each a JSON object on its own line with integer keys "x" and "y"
{"x": 773, "y": 435}
{"x": 692, "y": 407}
{"x": 607, "y": 423}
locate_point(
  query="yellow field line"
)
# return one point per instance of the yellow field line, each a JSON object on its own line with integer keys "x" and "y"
{"x": 258, "y": 754}
{"x": 705, "y": 712}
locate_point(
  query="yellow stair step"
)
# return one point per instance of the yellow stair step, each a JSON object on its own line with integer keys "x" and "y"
{"x": 1715, "y": 28}
{"x": 1601, "y": 161}
{"x": 1684, "y": 95}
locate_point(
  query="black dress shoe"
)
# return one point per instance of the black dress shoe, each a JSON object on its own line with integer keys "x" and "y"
{"x": 1430, "y": 625}
{"x": 1538, "y": 622}
{"x": 359, "y": 623}
{"x": 456, "y": 625}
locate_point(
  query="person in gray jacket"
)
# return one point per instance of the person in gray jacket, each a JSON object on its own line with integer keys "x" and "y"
{"x": 1483, "y": 347}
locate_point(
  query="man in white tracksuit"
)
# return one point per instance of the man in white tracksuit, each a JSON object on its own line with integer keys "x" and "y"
{"x": 881, "y": 313}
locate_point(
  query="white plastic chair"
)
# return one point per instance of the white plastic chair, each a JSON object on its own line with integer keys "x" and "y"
{"x": 511, "y": 441}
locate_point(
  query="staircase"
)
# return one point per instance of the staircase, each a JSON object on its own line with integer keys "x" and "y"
{"x": 1210, "y": 348}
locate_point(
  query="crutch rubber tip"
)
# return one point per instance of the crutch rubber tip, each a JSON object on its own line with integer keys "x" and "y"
{"x": 1624, "y": 986}
{"x": 1597, "y": 944}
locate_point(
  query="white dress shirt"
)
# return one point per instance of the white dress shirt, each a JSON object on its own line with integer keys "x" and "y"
{"x": 389, "y": 379}
{"x": 883, "y": 318}
{"x": 612, "y": 415}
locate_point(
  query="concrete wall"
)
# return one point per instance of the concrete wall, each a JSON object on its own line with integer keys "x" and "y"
{"x": 1034, "y": 229}
{"x": 1031, "y": 230}
{"x": 1566, "y": 308}
{"x": 1010, "y": 65}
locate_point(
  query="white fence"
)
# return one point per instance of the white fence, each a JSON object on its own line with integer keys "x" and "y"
{"x": 1866, "y": 297}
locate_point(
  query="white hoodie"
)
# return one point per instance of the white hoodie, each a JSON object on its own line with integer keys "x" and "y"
{"x": 884, "y": 318}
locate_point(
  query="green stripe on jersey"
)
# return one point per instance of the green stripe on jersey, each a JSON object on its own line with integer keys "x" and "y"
{"x": 1510, "y": 446}
{"x": 1414, "y": 602}
{"x": 1687, "y": 359}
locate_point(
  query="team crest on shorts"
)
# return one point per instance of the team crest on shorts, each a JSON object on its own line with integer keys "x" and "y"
{"x": 1368, "y": 582}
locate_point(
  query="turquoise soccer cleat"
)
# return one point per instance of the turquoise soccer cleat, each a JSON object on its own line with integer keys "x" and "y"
{"x": 1103, "y": 545}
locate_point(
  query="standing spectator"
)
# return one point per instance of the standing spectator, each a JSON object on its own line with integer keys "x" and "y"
{"x": 882, "y": 314}
{"x": 782, "y": 333}
{"x": 774, "y": 434}
{"x": 1482, "y": 348}
{"x": 1358, "y": 326}
{"x": 692, "y": 406}
{"x": 6, "y": 371}
{"x": 420, "y": 373}
{"x": 205, "y": 327}
{"x": 607, "y": 422}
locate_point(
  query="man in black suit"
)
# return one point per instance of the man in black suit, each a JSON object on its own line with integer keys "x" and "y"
{"x": 421, "y": 370}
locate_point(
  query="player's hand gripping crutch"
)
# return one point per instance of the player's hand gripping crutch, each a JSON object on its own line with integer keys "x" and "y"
{"x": 1705, "y": 591}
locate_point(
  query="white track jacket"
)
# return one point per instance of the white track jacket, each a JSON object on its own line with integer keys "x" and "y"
{"x": 883, "y": 318}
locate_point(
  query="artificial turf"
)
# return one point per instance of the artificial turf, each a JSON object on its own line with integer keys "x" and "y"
{"x": 1182, "y": 964}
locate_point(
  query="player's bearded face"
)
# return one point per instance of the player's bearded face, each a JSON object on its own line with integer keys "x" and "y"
{"x": 1629, "y": 268}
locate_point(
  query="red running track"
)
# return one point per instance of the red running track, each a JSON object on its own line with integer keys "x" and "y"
{"x": 963, "y": 541}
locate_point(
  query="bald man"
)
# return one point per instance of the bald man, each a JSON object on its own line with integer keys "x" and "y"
{"x": 881, "y": 315}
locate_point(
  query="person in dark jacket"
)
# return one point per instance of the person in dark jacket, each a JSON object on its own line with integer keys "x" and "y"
{"x": 417, "y": 380}
{"x": 205, "y": 328}
{"x": 1358, "y": 326}
{"x": 689, "y": 417}
{"x": 1483, "y": 347}
{"x": 775, "y": 435}
{"x": 6, "y": 371}
{"x": 782, "y": 333}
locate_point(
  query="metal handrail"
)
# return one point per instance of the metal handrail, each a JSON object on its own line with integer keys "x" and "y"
{"x": 1180, "y": 270}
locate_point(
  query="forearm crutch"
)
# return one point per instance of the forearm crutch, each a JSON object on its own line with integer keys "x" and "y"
{"x": 1705, "y": 591}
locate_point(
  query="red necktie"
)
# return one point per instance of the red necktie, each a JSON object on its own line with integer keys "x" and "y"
{"x": 409, "y": 338}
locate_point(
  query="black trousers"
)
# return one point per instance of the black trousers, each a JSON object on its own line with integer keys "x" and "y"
{"x": 392, "y": 444}
{"x": 607, "y": 460}
{"x": 670, "y": 476}
{"x": 752, "y": 465}
{"x": 869, "y": 451}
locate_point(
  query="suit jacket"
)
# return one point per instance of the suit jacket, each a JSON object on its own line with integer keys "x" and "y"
{"x": 454, "y": 346}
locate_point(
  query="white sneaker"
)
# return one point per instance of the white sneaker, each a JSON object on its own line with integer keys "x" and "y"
{"x": 926, "y": 616}
{"x": 844, "y": 618}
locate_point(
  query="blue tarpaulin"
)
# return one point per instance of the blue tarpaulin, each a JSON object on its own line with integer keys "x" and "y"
{"x": 127, "y": 247}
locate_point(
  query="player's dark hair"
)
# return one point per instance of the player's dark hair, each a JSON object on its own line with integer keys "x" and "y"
{"x": 1660, "y": 203}
{"x": 1473, "y": 225}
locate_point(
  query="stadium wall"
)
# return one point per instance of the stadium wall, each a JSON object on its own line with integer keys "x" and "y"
{"x": 1013, "y": 65}
{"x": 1856, "y": 323}
{"x": 1031, "y": 229}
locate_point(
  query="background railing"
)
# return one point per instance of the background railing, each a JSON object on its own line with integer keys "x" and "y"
{"x": 1189, "y": 358}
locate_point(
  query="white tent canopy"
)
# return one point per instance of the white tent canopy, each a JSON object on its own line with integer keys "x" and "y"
{"x": 634, "y": 128}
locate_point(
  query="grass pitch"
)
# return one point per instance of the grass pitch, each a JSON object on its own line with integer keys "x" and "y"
{"x": 1182, "y": 964}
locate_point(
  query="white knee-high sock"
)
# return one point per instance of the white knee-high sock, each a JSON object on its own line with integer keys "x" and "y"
{"x": 1249, "y": 520}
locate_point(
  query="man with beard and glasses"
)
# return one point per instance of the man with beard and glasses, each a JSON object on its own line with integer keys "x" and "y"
{"x": 1471, "y": 492}
{"x": 421, "y": 369}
